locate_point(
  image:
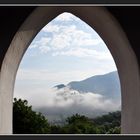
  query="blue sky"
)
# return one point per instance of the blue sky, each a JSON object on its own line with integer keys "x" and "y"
{"x": 65, "y": 50}
{"x": 67, "y": 45}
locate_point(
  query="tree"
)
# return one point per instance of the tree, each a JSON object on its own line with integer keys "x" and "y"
{"x": 110, "y": 122}
{"x": 27, "y": 121}
{"x": 78, "y": 124}
{"x": 55, "y": 129}
{"x": 77, "y": 118}
{"x": 115, "y": 130}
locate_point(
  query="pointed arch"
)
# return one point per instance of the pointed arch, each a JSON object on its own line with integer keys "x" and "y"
{"x": 109, "y": 30}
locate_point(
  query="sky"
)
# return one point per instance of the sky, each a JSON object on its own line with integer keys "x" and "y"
{"x": 65, "y": 50}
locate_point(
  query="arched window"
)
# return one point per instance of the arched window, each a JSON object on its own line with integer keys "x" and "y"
{"x": 69, "y": 70}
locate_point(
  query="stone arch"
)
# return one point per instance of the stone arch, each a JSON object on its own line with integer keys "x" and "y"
{"x": 112, "y": 34}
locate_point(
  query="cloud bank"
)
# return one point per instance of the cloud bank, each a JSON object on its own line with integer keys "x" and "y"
{"x": 64, "y": 102}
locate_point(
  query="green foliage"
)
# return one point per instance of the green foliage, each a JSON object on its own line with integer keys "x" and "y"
{"x": 55, "y": 129}
{"x": 116, "y": 130}
{"x": 110, "y": 122}
{"x": 77, "y": 118}
{"x": 112, "y": 117}
{"x": 27, "y": 121}
{"x": 78, "y": 124}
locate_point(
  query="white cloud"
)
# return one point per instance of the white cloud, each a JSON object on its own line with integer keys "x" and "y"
{"x": 85, "y": 52}
{"x": 42, "y": 44}
{"x": 51, "y": 28}
{"x": 32, "y": 46}
{"x": 60, "y": 42}
{"x": 69, "y": 38}
{"x": 44, "y": 49}
{"x": 68, "y": 102}
{"x": 66, "y": 17}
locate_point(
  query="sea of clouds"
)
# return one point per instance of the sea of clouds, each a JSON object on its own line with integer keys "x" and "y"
{"x": 57, "y": 104}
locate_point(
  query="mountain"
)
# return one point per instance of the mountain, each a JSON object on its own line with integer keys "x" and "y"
{"x": 60, "y": 86}
{"x": 107, "y": 85}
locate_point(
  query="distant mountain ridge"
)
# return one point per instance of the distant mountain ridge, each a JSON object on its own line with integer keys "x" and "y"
{"x": 60, "y": 86}
{"x": 107, "y": 85}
